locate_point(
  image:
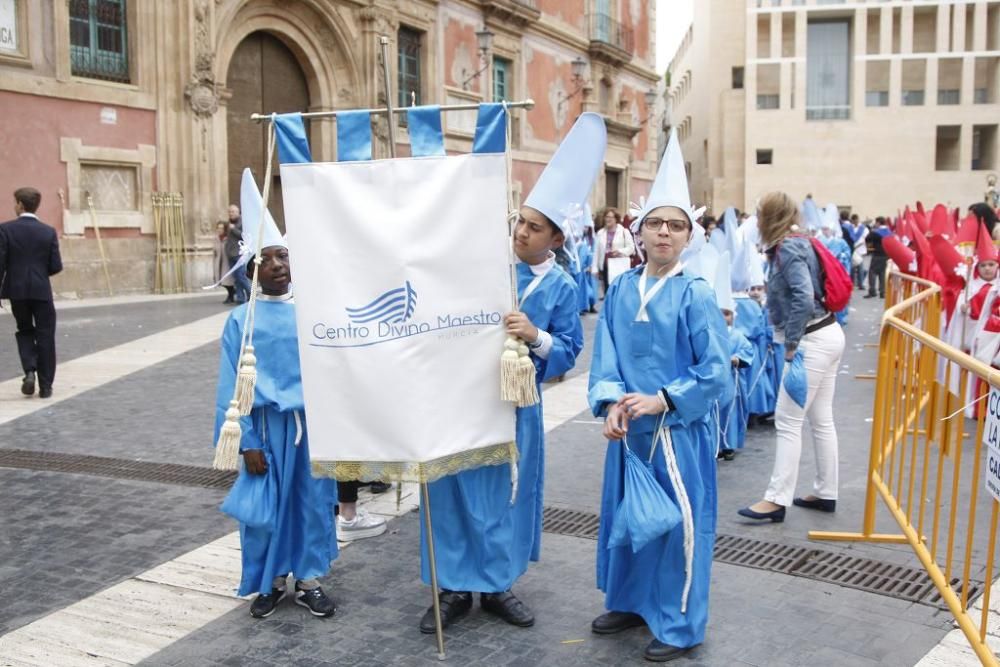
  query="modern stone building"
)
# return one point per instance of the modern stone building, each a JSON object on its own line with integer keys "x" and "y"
{"x": 868, "y": 104}
{"x": 120, "y": 99}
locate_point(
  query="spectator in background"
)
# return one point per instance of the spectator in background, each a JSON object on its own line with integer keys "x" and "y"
{"x": 613, "y": 241}
{"x": 876, "y": 268}
{"x": 232, "y": 246}
{"x": 220, "y": 260}
{"x": 29, "y": 254}
{"x": 988, "y": 217}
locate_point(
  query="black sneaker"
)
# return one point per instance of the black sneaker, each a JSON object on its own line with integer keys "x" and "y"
{"x": 264, "y": 605}
{"x": 315, "y": 600}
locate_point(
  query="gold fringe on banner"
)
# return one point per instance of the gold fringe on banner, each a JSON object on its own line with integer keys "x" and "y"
{"x": 412, "y": 471}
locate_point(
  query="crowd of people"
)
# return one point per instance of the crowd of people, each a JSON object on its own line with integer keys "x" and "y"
{"x": 706, "y": 327}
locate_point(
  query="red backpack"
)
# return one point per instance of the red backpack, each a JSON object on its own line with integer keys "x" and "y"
{"x": 837, "y": 285}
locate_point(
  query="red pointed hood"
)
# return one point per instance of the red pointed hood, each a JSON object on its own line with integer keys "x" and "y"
{"x": 986, "y": 250}
{"x": 902, "y": 256}
{"x": 968, "y": 231}
{"x": 942, "y": 223}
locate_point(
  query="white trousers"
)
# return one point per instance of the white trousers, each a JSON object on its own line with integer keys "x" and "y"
{"x": 822, "y": 350}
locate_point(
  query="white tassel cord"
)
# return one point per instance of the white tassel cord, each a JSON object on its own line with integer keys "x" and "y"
{"x": 674, "y": 473}
{"x": 517, "y": 371}
{"x": 228, "y": 446}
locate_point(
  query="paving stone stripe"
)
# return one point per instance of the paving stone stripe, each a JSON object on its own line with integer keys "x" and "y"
{"x": 94, "y": 370}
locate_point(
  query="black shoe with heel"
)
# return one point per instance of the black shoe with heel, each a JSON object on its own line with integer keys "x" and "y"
{"x": 821, "y": 504}
{"x": 776, "y": 516}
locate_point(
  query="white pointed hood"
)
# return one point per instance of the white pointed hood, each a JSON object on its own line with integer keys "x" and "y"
{"x": 251, "y": 204}
{"x": 722, "y": 284}
{"x": 670, "y": 188}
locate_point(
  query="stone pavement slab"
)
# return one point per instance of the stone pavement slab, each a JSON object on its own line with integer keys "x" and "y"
{"x": 84, "y": 327}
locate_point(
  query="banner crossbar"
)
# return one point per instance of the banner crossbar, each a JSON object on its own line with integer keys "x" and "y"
{"x": 524, "y": 104}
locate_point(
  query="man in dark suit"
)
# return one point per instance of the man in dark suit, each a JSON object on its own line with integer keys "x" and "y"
{"x": 29, "y": 254}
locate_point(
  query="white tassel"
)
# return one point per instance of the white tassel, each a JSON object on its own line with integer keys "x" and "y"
{"x": 687, "y": 514}
{"x": 227, "y": 449}
{"x": 508, "y": 370}
{"x": 246, "y": 381}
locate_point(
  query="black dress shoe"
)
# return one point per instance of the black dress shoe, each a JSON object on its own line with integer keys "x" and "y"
{"x": 45, "y": 392}
{"x": 821, "y": 504}
{"x": 657, "y": 651}
{"x": 454, "y": 605}
{"x": 777, "y": 516}
{"x": 28, "y": 383}
{"x": 616, "y": 621}
{"x": 508, "y": 607}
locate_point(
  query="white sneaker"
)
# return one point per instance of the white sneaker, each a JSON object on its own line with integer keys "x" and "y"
{"x": 363, "y": 525}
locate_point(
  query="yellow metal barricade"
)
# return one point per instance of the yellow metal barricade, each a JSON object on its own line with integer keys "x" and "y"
{"x": 926, "y": 456}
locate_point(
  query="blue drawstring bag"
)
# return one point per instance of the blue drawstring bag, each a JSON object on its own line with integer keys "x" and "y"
{"x": 646, "y": 512}
{"x": 253, "y": 500}
{"x": 795, "y": 382}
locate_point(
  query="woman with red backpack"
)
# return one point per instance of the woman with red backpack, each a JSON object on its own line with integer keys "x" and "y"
{"x": 804, "y": 289}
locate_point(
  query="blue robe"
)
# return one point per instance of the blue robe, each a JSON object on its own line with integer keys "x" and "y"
{"x": 689, "y": 357}
{"x": 302, "y": 541}
{"x": 733, "y": 415}
{"x": 482, "y": 543}
{"x": 838, "y": 248}
{"x": 752, "y": 321}
{"x": 584, "y": 282}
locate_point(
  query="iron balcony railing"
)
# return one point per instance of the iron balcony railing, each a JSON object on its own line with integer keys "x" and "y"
{"x": 607, "y": 30}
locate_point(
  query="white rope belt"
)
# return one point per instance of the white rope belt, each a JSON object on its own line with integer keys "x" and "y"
{"x": 674, "y": 473}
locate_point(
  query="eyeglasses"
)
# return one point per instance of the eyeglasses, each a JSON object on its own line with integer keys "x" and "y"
{"x": 673, "y": 226}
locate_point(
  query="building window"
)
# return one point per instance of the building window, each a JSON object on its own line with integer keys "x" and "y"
{"x": 946, "y": 151}
{"x": 768, "y": 101}
{"x": 981, "y": 96}
{"x": 9, "y": 28}
{"x": 501, "y": 80}
{"x": 765, "y": 156}
{"x": 913, "y": 98}
{"x": 828, "y": 70}
{"x": 984, "y": 146}
{"x": 877, "y": 98}
{"x": 98, "y": 39}
{"x": 738, "y": 78}
{"x": 948, "y": 96}
{"x": 408, "y": 78}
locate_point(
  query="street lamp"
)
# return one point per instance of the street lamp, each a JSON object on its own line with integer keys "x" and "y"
{"x": 577, "y": 68}
{"x": 484, "y": 39}
{"x": 650, "y": 97}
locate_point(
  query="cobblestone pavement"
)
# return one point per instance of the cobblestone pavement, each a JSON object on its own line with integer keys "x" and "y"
{"x": 64, "y": 536}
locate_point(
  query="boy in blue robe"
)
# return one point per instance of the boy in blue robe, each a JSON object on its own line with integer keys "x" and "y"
{"x": 274, "y": 442}
{"x": 733, "y": 414}
{"x": 483, "y": 543}
{"x": 661, "y": 358}
{"x": 751, "y": 319}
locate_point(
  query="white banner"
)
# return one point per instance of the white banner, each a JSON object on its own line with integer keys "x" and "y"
{"x": 401, "y": 282}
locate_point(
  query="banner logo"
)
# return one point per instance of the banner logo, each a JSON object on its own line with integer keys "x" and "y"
{"x": 393, "y": 307}
{"x": 391, "y": 316}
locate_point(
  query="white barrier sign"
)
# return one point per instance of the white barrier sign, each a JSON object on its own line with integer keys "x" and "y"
{"x": 991, "y": 436}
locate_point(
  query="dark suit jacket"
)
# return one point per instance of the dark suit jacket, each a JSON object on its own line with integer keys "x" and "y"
{"x": 29, "y": 254}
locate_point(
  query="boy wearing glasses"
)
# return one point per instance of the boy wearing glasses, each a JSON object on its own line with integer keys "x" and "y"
{"x": 483, "y": 542}
{"x": 661, "y": 360}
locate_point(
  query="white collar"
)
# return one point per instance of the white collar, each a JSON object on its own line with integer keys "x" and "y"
{"x": 544, "y": 267}
{"x": 287, "y": 296}
{"x": 28, "y": 215}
